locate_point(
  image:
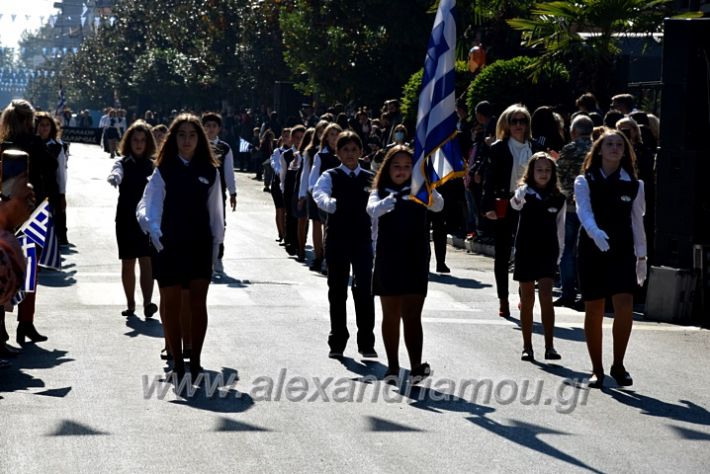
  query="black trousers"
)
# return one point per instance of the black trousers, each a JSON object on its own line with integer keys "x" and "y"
{"x": 338, "y": 276}
{"x": 505, "y": 230}
{"x": 291, "y": 220}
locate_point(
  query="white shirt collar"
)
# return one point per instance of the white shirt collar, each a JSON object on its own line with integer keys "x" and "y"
{"x": 623, "y": 175}
{"x": 184, "y": 161}
{"x": 347, "y": 170}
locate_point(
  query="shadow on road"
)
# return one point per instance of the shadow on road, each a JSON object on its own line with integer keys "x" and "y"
{"x": 526, "y": 434}
{"x": 366, "y": 368}
{"x": 224, "y": 279}
{"x": 57, "y": 278}
{"x": 150, "y": 327}
{"x": 212, "y": 391}
{"x": 456, "y": 281}
{"x": 688, "y": 412}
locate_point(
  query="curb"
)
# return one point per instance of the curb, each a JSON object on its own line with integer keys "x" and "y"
{"x": 470, "y": 246}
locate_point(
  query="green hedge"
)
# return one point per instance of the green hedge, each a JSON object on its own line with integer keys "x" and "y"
{"x": 411, "y": 90}
{"x": 507, "y": 82}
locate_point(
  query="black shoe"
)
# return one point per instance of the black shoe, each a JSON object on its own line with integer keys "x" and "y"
{"x": 187, "y": 353}
{"x": 552, "y": 354}
{"x": 291, "y": 250}
{"x": 150, "y": 309}
{"x": 596, "y": 380}
{"x": 578, "y": 306}
{"x": 27, "y": 330}
{"x": 622, "y": 377}
{"x": 442, "y": 268}
{"x": 391, "y": 376}
{"x": 528, "y": 355}
{"x": 316, "y": 265}
{"x": 417, "y": 374}
{"x": 128, "y": 312}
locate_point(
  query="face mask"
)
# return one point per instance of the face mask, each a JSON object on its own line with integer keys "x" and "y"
{"x": 399, "y": 136}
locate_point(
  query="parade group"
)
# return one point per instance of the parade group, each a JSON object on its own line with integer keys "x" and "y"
{"x": 566, "y": 195}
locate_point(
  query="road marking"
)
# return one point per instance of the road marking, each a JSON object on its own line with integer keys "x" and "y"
{"x": 502, "y": 322}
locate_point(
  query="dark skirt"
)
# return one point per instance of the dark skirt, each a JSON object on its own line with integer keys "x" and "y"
{"x": 132, "y": 242}
{"x": 277, "y": 196}
{"x": 178, "y": 265}
{"x": 397, "y": 276}
{"x": 604, "y": 274}
{"x": 533, "y": 266}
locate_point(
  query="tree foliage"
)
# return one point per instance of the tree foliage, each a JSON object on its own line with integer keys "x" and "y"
{"x": 584, "y": 34}
{"x": 168, "y": 53}
{"x": 508, "y": 82}
{"x": 362, "y": 51}
{"x": 412, "y": 89}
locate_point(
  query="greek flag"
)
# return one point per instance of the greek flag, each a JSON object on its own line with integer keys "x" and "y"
{"x": 36, "y": 227}
{"x": 50, "y": 256}
{"x": 437, "y": 155}
{"x": 29, "y": 249}
{"x": 244, "y": 146}
{"x": 61, "y": 101}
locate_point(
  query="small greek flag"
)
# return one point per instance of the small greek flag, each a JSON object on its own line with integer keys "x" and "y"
{"x": 437, "y": 155}
{"x": 244, "y": 146}
{"x": 50, "y": 256}
{"x": 17, "y": 299}
{"x": 36, "y": 227}
{"x": 61, "y": 101}
{"x": 29, "y": 249}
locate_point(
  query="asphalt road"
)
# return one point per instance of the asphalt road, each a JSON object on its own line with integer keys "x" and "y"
{"x": 91, "y": 398}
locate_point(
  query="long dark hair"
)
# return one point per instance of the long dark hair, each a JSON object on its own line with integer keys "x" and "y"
{"x": 593, "y": 159}
{"x": 124, "y": 147}
{"x": 53, "y": 126}
{"x": 382, "y": 179}
{"x": 529, "y": 176}
{"x": 169, "y": 150}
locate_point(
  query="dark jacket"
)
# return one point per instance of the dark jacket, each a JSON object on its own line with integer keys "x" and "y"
{"x": 496, "y": 183}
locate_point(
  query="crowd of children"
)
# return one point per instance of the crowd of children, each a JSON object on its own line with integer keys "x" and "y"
{"x": 365, "y": 229}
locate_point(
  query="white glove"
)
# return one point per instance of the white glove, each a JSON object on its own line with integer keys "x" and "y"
{"x": 519, "y": 195}
{"x": 600, "y": 239}
{"x": 641, "y": 270}
{"x": 330, "y": 205}
{"x": 113, "y": 180}
{"x": 386, "y": 205}
{"x": 437, "y": 201}
{"x": 155, "y": 235}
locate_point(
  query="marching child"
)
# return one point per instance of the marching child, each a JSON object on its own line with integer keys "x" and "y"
{"x": 539, "y": 244}
{"x": 182, "y": 211}
{"x": 402, "y": 255}
{"x": 130, "y": 175}
{"x": 342, "y": 193}
{"x": 612, "y": 247}
{"x": 212, "y": 122}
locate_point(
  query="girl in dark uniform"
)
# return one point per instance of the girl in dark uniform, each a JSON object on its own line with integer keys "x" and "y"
{"x": 612, "y": 246}
{"x": 402, "y": 254}
{"x": 130, "y": 174}
{"x": 539, "y": 243}
{"x": 181, "y": 209}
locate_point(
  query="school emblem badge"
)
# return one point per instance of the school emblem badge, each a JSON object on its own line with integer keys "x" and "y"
{"x": 203, "y": 180}
{"x": 626, "y": 198}
{"x": 552, "y": 210}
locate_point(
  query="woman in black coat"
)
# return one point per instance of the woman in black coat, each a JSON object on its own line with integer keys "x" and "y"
{"x": 509, "y": 157}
